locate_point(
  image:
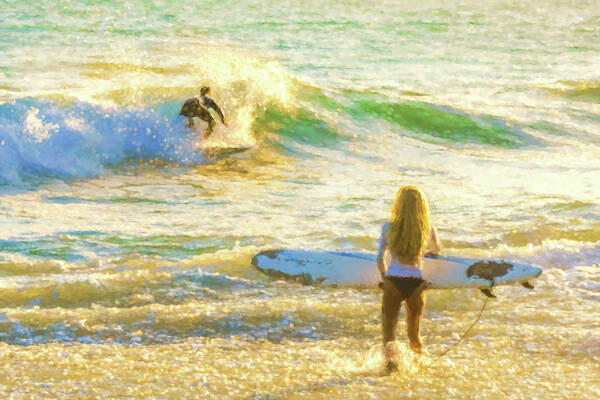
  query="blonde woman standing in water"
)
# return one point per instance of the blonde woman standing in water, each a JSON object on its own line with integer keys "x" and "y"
{"x": 404, "y": 240}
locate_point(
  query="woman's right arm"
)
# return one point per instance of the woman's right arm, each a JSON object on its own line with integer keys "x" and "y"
{"x": 381, "y": 267}
{"x": 433, "y": 244}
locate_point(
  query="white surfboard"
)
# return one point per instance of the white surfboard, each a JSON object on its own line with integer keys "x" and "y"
{"x": 360, "y": 269}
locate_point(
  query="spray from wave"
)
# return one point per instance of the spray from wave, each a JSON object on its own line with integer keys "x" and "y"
{"x": 38, "y": 138}
{"x": 119, "y": 110}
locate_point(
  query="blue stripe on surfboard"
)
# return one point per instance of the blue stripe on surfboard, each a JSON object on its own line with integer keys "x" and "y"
{"x": 362, "y": 256}
{"x": 372, "y": 257}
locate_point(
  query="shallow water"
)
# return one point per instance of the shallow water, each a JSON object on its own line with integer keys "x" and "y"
{"x": 125, "y": 245}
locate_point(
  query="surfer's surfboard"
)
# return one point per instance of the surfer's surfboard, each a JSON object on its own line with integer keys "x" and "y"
{"x": 214, "y": 149}
{"x": 216, "y": 152}
{"x": 360, "y": 269}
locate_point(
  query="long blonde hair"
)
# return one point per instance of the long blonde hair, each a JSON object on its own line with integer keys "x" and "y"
{"x": 409, "y": 227}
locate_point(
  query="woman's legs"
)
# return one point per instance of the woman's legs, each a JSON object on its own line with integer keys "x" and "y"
{"x": 390, "y": 308}
{"x": 415, "y": 306}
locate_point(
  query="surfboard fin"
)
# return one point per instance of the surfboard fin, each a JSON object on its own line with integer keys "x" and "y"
{"x": 488, "y": 293}
{"x": 527, "y": 285}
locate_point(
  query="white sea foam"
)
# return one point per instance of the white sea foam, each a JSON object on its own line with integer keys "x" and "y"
{"x": 86, "y": 139}
{"x": 36, "y": 128}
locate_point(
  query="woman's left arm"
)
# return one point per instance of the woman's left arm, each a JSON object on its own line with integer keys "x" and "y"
{"x": 380, "y": 253}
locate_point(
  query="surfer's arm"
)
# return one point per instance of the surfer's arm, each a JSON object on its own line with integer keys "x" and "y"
{"x": 215, "y": 107}
{"x": 218, "y": 110}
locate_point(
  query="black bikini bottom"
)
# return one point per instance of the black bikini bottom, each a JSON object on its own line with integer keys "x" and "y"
{"x": 406, "y": 286}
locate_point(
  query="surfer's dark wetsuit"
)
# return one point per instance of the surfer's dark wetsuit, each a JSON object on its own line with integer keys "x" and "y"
{"x": 198, "y": 107}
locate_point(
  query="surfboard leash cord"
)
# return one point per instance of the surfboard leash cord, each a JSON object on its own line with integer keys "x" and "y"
{"x": 442, "y": 354}
{"x": 464, "y": 335}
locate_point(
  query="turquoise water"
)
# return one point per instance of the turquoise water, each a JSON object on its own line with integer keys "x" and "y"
{"x": 119, "y": 226}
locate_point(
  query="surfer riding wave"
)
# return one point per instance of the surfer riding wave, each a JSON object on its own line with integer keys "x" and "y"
{"x": 198, "y": 107}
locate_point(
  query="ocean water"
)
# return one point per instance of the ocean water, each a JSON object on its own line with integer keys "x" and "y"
{"x": 126, "y": 240}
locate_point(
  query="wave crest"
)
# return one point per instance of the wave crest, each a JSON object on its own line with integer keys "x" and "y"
{"x": 442, "y": 122}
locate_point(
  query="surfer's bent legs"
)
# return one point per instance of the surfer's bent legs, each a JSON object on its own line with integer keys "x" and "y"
{"x": 211, "y": 126}
{"x": 205, "y": 116}
{"x": 192, "y": 108}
